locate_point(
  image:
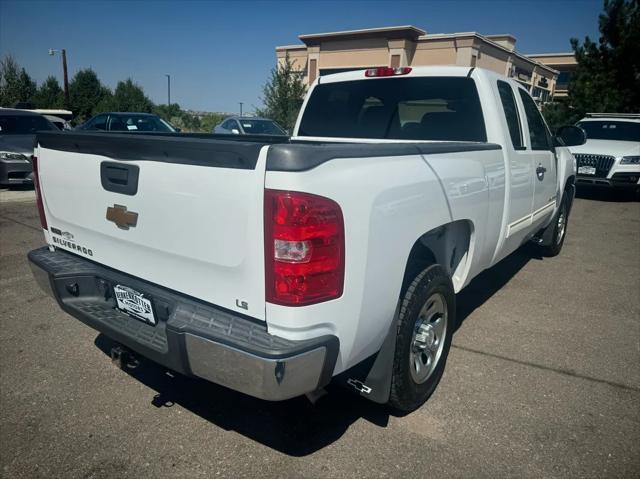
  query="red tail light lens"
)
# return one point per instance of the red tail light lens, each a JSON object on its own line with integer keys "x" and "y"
{"x": 304, "y": 248}
{"x": 387, "y": 71}
{"x": 38, "y": 188}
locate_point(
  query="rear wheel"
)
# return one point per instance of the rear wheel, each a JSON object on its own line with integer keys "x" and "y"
{"x": 425, "y": 327}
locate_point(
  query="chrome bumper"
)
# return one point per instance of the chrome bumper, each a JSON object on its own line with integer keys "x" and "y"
{"x": 191, "y": 337}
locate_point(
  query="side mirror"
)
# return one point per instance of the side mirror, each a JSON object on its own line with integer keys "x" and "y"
{"x": 235, "y": 131}
{"x": 570, "y": 136}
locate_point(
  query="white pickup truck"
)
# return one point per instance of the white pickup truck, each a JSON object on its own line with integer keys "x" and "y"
{"x": 272, "y": 265}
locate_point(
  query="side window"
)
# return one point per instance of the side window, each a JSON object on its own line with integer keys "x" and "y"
{"x": 227, "y": 125}
{"x": 537, "y": 128}
{"x": 235, "y": 126}
{"x": 511, "y": 113}
{"x": 98, "y": 123}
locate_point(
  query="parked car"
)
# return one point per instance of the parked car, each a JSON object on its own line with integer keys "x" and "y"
{"x": 127, "y": 122}
{"x": 59, "y": 123}
{"x": 611, "y": 155}
{"x": 249, "y": 125}
{"x": 273, "y": 265}
{"x": 60, "y": 118}
{"x": 17, "y": 137}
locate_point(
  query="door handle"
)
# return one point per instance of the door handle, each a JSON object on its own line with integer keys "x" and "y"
{"x": 540, "y": 171}
{"x": 119, "y": 177}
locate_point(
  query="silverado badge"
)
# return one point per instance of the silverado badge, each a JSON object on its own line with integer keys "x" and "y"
{"x": 121, "y": 217}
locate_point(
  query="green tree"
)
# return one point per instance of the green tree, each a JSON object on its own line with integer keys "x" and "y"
{"x": 49, "y": 94}
{"x": 283, "y": 95}
{"x": 209, "y": 121}
{"x": 87, "y": 94}
{"x": 129, "y": 96}
{"x": 15, "y": 83}
{"x": 607, "y": 78}
{"x": 167, "y": 112}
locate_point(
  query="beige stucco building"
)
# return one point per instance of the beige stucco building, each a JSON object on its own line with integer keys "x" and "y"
{"x": 326, "y": 53}
{"x": 564, "y": 63}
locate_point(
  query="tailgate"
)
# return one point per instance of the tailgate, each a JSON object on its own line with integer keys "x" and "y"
{"x": 181, "y": 212}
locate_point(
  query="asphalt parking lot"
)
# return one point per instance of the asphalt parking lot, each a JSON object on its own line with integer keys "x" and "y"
{"x": 543, "y": 380}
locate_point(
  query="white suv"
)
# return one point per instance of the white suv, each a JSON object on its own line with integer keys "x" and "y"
{"x": 611, "y": 155}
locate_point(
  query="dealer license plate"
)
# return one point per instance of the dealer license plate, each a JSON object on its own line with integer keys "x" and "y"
{"x": 134, "y": 304}
{"x": 586, "y": 170}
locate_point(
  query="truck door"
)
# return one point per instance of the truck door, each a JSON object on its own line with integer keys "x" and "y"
{"x": 544, "y": 162}
{"x": 520, "y": 172}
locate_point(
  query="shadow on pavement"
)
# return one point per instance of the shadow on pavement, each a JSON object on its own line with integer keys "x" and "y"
{"x": 296, "y": 427}
{"x": 487, "y": 283}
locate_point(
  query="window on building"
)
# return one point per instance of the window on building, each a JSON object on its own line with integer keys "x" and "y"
{"x": 563, "y": 80}
{"x": 540, "y": 137}
{"x": 511, "y": 113}
{"x": 541, "y": 94}
{"x": 446, "y": 109}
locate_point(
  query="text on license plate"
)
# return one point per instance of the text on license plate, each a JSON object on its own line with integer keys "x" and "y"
{"x": 134, "y": 303}
{"x": 586, "y": 170}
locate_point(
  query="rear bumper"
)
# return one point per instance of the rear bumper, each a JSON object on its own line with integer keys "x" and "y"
{"x": 15, "y": 173}
{"x": 190, "y": 337}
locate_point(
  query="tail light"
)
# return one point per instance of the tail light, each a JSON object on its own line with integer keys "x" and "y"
{"x": 387, "y": 71}
{"x": 38, "y": 188}
{"x": 304, "y": 248}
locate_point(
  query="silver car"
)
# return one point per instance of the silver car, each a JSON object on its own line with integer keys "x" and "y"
{"x": 249, "y": 125}
{"x": 17, "y": 134}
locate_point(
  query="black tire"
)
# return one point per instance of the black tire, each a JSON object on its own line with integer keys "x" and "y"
{"x": 407, "y": 394}
{"x": 555, "y": 245}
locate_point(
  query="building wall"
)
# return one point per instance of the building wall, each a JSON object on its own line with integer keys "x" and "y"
{"x": 347, "y": 50}
{"x": 439, "y": 52}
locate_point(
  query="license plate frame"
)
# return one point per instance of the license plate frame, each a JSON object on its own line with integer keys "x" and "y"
{"x": 135, "y": 304}
{"x": 587, "y": 170}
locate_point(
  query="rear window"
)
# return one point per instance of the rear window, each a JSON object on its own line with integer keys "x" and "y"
{"x": 23, "y": 124}
{"x": 611, "y": 130}
{"x": 442, "y": 109}
{"x": 138, "y": 123}
{"x": 261, "y": 127}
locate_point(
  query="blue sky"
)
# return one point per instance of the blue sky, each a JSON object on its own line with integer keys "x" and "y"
{"x": 220, "y": 52}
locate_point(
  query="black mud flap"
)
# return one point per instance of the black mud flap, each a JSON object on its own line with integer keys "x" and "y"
{"x": 371, "y": 378}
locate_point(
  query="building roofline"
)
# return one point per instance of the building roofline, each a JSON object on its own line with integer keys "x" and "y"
{"x": 502, "y": 35}
{"x": 363, "y": 31}
{"x": 487, "y": 39}
{"x": 562, "y": 54}
{"x": 291, "y": 47}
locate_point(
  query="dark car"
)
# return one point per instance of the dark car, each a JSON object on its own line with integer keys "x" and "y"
{"x": 17, "y": 135}
{"x": 127, "y": 122}
{"x": 249, "y": 125}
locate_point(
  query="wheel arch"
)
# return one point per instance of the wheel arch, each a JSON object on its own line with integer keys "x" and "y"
{"x": 449, "y": 245}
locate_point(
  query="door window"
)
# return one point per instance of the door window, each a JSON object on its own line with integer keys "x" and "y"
{"x": 540, "y": 137}
{"x": 98, "y": 123}
{"x": 511, "y": 113}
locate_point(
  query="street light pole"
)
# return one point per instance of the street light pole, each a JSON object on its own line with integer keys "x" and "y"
{"x": 63, "y": 52}
{"x": 66, "y": 78}
{"x": 241, "y": 107}
{"x": 168, "y": 89}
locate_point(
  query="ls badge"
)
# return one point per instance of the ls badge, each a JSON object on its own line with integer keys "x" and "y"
{"x": 121, "y": 217}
